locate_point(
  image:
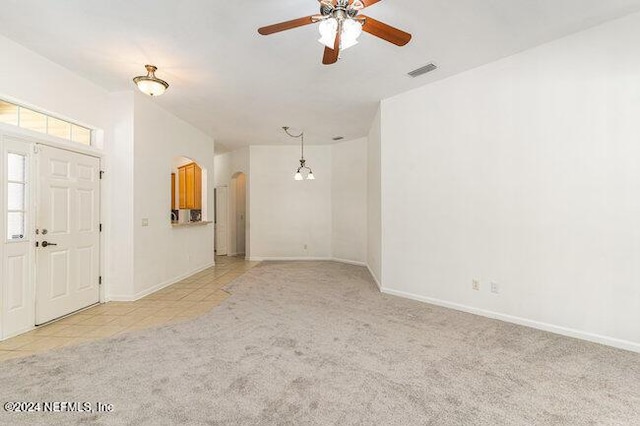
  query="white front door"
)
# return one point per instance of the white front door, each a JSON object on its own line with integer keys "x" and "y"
{"x": 221, "y": 220}
{"x": 68, "y": 232}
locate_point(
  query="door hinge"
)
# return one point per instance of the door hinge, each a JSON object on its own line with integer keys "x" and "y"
{"x": 101, "y": 173}
{"x": 100, "y": 280}
{"x": 100, "y": 227}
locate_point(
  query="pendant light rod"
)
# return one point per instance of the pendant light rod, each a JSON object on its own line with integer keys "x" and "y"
{"x": 301, "y": 136}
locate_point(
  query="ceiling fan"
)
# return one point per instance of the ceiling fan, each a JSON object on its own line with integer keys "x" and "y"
{"x": 340, "y": 26}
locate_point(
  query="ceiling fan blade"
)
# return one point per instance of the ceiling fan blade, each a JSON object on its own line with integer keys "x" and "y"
{"x": 282, "y": 26}
{"x": 331, "y": 55}
{"x": 385, "y": 32}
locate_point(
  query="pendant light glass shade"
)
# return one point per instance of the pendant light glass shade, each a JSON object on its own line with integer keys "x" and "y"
{"x": 328, "y": 30}
{"x": 149, "y": 84}
{"x": 310, "y": 176}
{"x": 298, "y": 176}
{"x": 351, "y": 30}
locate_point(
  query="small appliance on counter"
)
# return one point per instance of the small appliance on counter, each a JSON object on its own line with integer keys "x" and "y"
{"x": 196, "y": 215}
{"x": 184, "y": 216}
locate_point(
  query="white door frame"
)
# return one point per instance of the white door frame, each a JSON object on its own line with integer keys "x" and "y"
{"x": 30, "y": 139}
{"x": 222, "y": 190}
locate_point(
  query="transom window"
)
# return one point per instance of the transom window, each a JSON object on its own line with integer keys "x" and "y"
{"x": 29, "y": 119}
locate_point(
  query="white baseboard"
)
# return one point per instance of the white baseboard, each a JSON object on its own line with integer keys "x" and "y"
{"x": 17, "y": 333}
{"x": 309, "y": 259}
{"x": 287, "y": 259}
{"x": 148, "y": 291}
{"x": 596, "y": 338}
{"x": 348, "y": 262}
{"x": 375, "y": 279}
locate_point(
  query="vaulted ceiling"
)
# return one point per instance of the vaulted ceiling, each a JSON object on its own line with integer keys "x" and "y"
{"x": 241, "y": 87}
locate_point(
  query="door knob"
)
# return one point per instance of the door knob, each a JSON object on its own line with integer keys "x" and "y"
{"x": 45, "y": 244}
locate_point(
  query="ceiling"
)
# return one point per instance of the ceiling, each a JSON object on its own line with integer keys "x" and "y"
{"x": 241, "y": 87}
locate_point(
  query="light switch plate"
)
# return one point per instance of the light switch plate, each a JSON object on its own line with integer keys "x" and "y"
{"x": 145, "y": 222}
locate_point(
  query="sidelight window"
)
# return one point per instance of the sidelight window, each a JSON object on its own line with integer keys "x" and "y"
{"x": 16, "y": 196}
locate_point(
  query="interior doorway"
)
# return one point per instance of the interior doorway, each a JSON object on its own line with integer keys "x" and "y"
{"x": 231, "y": 217}
{"x": 237, "y": 215}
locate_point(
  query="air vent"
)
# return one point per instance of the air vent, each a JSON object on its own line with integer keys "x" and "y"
{"x": 423, "y": 70}
{"x": 338, "y": 138}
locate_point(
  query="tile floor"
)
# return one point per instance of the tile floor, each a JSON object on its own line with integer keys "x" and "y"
{"x": 184, "y": 300}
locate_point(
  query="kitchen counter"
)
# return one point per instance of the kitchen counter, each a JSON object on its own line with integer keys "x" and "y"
{"x": 190, "y": 224}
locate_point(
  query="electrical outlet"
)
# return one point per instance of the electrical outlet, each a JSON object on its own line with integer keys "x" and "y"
{"x": 305, "y": 246}
{"x": 475, "y": 284}
{"x": 495, "y": 287}
{"x": 145, "y": 222}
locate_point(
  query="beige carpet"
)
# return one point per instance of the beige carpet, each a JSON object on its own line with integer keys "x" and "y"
{"x": 315, "y": 343}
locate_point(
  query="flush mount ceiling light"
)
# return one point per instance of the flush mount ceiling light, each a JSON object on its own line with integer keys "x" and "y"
{"x": 303, "y": 167}
{"x": 150, "y": 84}
{"x": 341, "y": 25}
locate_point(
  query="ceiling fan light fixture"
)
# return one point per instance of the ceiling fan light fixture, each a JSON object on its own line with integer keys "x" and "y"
{"x": 328, "y": 30}
{"x": 340, "y": 26}
{"x": 351, "y": 30}
{"x": 150, "y": 84}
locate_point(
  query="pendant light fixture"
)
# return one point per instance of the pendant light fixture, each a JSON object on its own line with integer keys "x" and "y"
{"x": 303, "y": 166}
{"x": 150, "y": 84}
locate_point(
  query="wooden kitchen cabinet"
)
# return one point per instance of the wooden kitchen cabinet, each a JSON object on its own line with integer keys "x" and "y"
{"x": 173, "y": 191}
{"x": 190, "y": 186}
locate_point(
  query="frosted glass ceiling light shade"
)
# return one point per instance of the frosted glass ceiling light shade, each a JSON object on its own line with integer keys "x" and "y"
{"x": 310, "y": 176}
{"x": 328, "y": 30}
{"x": 298, "y": 176}
{"x": 150, "y": 84}
{"x": 351, "y": 30}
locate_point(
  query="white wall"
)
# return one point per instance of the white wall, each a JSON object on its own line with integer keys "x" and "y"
{"x": 523, "y": 172}
{"x": 374, "y": 200}
{"x": 229, "y": 163}
{"x": 119, "y": 276}
{"x": 328, "y": 215}
{"x": 349, "y": 200}
{"x": 32, "y": 80}
{"x": 287, "y": 214}
{"x": 163, "y": 253}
